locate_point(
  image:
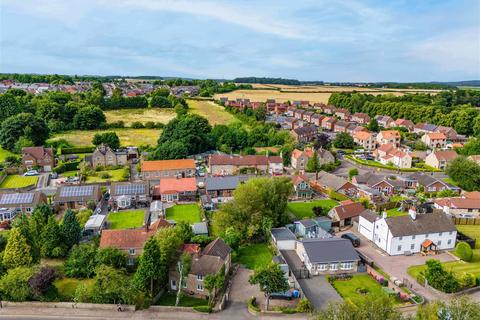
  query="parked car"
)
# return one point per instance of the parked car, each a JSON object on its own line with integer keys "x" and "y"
{"x": 353, "y": 238}
{"x": 287, "y": 295}
{"x": 31, "y": 173}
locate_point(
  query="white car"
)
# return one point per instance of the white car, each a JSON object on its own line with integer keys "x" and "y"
{"x": 31, "y": 173}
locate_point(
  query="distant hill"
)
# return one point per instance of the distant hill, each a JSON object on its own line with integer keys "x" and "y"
{"x": 267, "y": 81}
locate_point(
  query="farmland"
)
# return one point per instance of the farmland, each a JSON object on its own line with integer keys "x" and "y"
{"x": 213, "y": 112}
{"x": 128, "y": 137}
{"x": 128, "y": 116}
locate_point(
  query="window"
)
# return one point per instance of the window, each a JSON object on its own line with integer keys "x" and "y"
{"x": 413, "y": 237}
{"x": 199, "y": 277}
{"x": 412, "y": 246}
{"x": 399, "y": 248}
{"x": 173, "y": 284}
{"x": 131, "y": 251}
{"x": 28, "y": 209}
{"x": 322, "y": 267}
{"x": 401, "y": 238}
{"x": 426, "y": 236}
{"x": 346, "y": 265}
{"x": 199, "y": 287}
{"x": 449, "y": 241}
{"x": 131, "y": 261}
{"x": 440, "y": 234}
{"x": 165, "y": 173}
{"x": 333, "y": 266}
{"x": 439, "y": 243}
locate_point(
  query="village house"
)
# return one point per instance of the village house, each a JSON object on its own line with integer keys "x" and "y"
{"x": 328, "y": 123}
{"x": 459, "y": 206}
{"x": 105, "y": 156}
{"x": 440, "y": 159}
{"x": 77, "y": 196}
{"x": 215, "y": 257}
{"x": 428, "y": 183}
{"x": 341, "y": 126}
{"x": 450, "y": 133}
{"x": 316, "y": 119}
{"x": 365, "y": 139}
{"x": 384, "y": 121}
{"x": 404, "y": 123}
{"x": 38, "y": 157}
{"x": 176, "y": 190}
{"x": 126, "y": 195}
{"x": 301, "y": 187}
{"x": 379, "y": 183}
{"x": 13, "y": 203}
{"x": 383, "y": 150}
{"x": 164, "y": 169}
{"x": 422, "y": 128}
{"x": 389, "y": 136}
{"x": 299, "y": 159}
{"x": 408, "y": 234}
{"x": 328, "y": 256}
{"x": 131, "y": 241}
{"x": 343, "y": 214}
{"x": 360, "y": 118}
{"x": 305, "y": 134}
{"x": 222, "y": 186}
{"x": 329, "y": 109}
{"x": 353, "y": 128}
{"x": 343, "y": 114}
{"x": 224, "y": 164}
{"x": 298, "y": 114}
{"x": 435, "y": 140}
{"x": 398, "y": 158}
{"x": 327, "y": 181}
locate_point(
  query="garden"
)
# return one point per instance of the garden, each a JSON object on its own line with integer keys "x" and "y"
{"x": 254, "y": 256}
{"x": 189, "y": 213}
{"x": 303, "y": 210}
{"x": 121, "y": 174}
{"x": 18, "y": 181}
{"x": 186, "y": 301}
{"x": 394, "y": 212}
{"x": 126, "y": 219}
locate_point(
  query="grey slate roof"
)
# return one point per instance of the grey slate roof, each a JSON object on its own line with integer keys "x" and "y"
{"x": 423, "y": 224}
{"x": 223, "y": 183}
{"x": 200, "y": 228}
{"x": 331, "y": 180}
{"x": 307, "y": 223}
{"x": 217, "y": 248}
{"x": 283, "y": 234}
{"x": 369, "y": 215}
{"x": 330, "y": 250}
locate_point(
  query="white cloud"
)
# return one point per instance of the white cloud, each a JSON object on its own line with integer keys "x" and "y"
{"x": 454, "y": 51}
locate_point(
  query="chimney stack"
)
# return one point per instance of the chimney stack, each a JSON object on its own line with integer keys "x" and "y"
{"x": 384, "y": 214}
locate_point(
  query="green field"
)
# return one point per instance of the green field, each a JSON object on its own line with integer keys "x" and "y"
{"x": 213, "y": 112}
{"x": 348, "y": 289}
{"x": 254, "y": 256}
{"x": 184, "y": 212}
{"x": 128, "y": 116}
{"x": 395, "y": 213}
{"x": 17, "y": 181}
{"x": 115, "y": 175}
{"x": 4, "y": 154}
{"x": 303, "y": 210}
{"x": 128, "y": 137}
{"x": 185, "y": 301}
{"x": 126, "y": 219}
{"x": 66, "y": 287}
{"x": 471, "y": 231}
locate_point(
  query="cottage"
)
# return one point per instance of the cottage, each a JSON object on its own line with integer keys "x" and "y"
{"x": 343, "y": 214}
{"x": 77, "y": 196}
{"x": 165, "y": 169}
{"x": 409, "y": 234}
{"x": 389, "y": 136}
{"x": 384, "y": 121}
{"x": 13, "y": 203}
{"x": 327, "y": 181}
{"x": 360, "y": 118}
{"x": 38, "y": 157}
{"x": 365, "y": 140}
{"x": 125, "y": 195}
{"x": 105, "y": 156}
{"x": 304, "y": 134}
{"x": 173, "y": 190}
{"x": 328, "y": 256}
{"x": 435, "y": 140}
{"x": 440, "y": 159}
{"x": 301, "y": 187}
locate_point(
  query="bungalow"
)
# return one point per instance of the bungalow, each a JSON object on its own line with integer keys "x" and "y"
{"x": 328, "y": 123}
{"x": 365, "y": 140}
{"x": 440, "y": 159}
{"x": 38, "y": 157}
{"x": 305, "y": 134}
{"x": 223, "y": 186}
{"x": 75, "y": 196}
{"x": 328, "y": 256}
{"x": 327, "y": 181}
{"x": 360, "y": 118}
{"x": 165, "y": 169}
{"x": 389, "y": 136}
{"x": 404, "y": 123}
{"x": 343, "y": 214}
{"x": 343, "y": 114}
{"x": 408, "y": 234}
{"x": 125, "y": 195}
{"x": 173, "y": 190}
{"x": 429, "y": 183}
{"x": 20, "y": 202}
{"x": 435, "y": 140}
{"x": 215, "y": 257}
{"x": 421, "y": 128}
{"x": 301, "y": 187}
{"x": 131, "y": 241}
{"x": 341, "y": 126}
{"x": 384, "y": 121}
{"x": 459, "y": 205}
{"x": 380, "y": 183}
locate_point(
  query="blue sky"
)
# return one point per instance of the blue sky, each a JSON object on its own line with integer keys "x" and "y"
{"x": 331, "y": 40}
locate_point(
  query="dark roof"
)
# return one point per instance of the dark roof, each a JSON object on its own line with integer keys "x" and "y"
{"x": 423, "y": 224}
{"x": 78, "y": 193}
{"x": 126, "y": 188}
{"x": 331, "y": 180}
{"x": 369, "y": 215}
{"x": 330, "y": 250}
{"x": 13, "y": 200}
{"x": 217, "y": 248}
{"x": 223, "y": 183}
{"x": 283, "y": 234}
{"x": 424, "y": 179}
{"x": 205, "y": 265}
{"x": 307, "y": 223}
{"x": 305, "y": 130}
{"x": 38, "y": 152}
{"x": 349, "y": 210}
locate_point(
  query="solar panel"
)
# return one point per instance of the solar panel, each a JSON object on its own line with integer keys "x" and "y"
{"x": 14, "y": 198}
{"x": 76, "y": 191}
{"x": 126, "y": 189}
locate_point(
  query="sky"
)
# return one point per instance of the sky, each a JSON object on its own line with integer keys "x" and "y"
{"x": 329, "y": 40}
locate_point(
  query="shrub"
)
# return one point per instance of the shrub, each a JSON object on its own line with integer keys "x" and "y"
{"x": 304, "y": 306}
{"x": 105, "y": 175}
{"x": 252, "y": 304}
{"x": 467, "y": 280}
{"x": 464, "y": 252}
{"x": 421, "y": 279}
{"x": 204, "y": 309}
{"x": 137, "y": 125}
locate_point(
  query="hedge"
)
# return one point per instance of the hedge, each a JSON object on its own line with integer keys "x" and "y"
{"x": 77, "y": 150}
{"x": 204, "y": 309}
{"x": 67, "y": 166}
{"x": 464, "y": 252}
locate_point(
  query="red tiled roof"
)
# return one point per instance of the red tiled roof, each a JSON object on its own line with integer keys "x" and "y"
{"x": 436, "y": 136}
{"x": 362, "y": 135}
{"x": 297, "y": 153}
{"x": 159, "y": 165}
{"x": 459, "y": 203}
{"x": 38, "y": 152}
{"x": 299, "y": 178}
{"x": 349, "y": 210}
{"x": 446, "y": 155}
{"x": 387, "y": 134}
{"x": 386, "y": 147}
{"x": 173, "y": 185}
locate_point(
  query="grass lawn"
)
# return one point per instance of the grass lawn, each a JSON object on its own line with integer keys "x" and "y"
{"x": 127, "y": 136}
{"x": 115, "y": 175}
{"x": 455, "y": 266}
{"x": 128, "y": 116}
{"x": 4, "y": 154}
{"x": 450, "y": 181}
{"x": 66, "y": 287}
{"x": 348, "y": 288}
{"x": 185, "y": 301}
{"x": 213, "y": 112}
{"x": 184, "y": 212}
{"x": 397, "y": 198}
{"x": 17, "y": 181}
{"x": 69, "y": 174}
{"x": 395, "y": 213}
{"x": 303, "y": 210}
{"x": 254, "y": 256}
{"x": 472, "y": 232}
{"x": 126, "y": 219}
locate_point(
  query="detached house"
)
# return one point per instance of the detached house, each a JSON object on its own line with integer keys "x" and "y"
{"x": 304, "y": 134}
{"x": 343, "y": 114}
{"x": 38, "y": 157}
{"x": 435, "y": 140}
{"x": 222, "y": 164}
{"x": 429, "y": 183}
{"x": 300, "y": 158}
{"x": 105, "y": 156}
{"x": 403, "y": 123}
{"x": 384, "y": 121}
{"x": 13, "y": 203}
{"x": 389, "y": 136}
{"x": 173, "y": 190}
{"x": 301, "y": 187}
{"x": 365, "y": 139}
{"x": 327, "y": 181}
{"x": 424, "y": 128}
{"x": 379, "y": 183}
{"x": 440, "y": 159}
{"x": 360, "y": 118}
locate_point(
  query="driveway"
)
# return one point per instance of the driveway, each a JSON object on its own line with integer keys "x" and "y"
{"x": 397, "y": 266}
{"x": 319, "y": 291}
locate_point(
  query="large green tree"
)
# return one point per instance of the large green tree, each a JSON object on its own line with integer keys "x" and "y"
{"x": 70, "y": 229}
{"x": 270, "y": 279}
{"x": 343, "y": 140}
{"x": 112, "y": 257}
{"x": 313, "y": 164}
{"x": 88, "y": 118}
{"x": 81, "y": 261}
{"x": 465, "y": 172}
{"x": 150, "y": 268}
{"x": 112, "y": 286}
{"x": 14, "y": 285}
{"x": 52, "y": 244}
{"x": 17, "y": 252}
{"x": 109, "y": 138}
{"x": 24, "y": 125}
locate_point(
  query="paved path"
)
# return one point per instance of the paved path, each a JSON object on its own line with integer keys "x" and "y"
{"x": 319, "y": 291}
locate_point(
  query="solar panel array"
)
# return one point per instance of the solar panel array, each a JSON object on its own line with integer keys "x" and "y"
{"x": 130, "y": 189}
{"x": 76, "y": 191}
{"x": 14, "y": 198}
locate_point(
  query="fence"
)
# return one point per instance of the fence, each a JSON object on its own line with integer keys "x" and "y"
{"x": 466, "y": 221}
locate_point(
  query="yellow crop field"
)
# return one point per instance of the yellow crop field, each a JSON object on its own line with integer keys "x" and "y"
{"x": 141, "y": 115}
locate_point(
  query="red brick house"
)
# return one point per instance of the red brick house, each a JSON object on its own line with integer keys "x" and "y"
{"x": 38, "y": 157}
{"x": 173, "y": 189}
{"x": 328, "y": 123}
{"x": 304, "y": 134}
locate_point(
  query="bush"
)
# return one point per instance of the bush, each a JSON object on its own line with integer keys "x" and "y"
{"x": 204, "y": 309}
{"x": 105, "y": 175}
{"x": 137, "y": 125}
{"x": 77, "y": 150}
{"x": 464, "y": 252}
{"x": 467, "y": 280}
{"x": 304, "y": 306}
{"x": 252, "y": 304}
